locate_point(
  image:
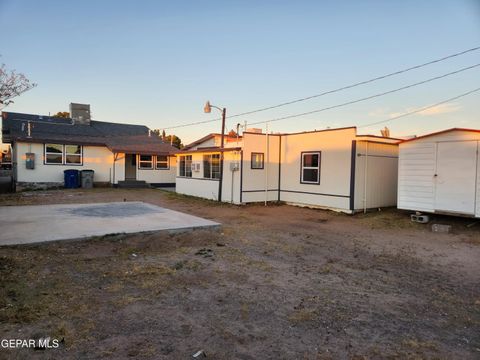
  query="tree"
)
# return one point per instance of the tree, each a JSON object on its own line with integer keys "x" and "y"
{"x": 12, "y": 84}
{"x": 176, "y": 141}
{"x": 62, "y": 114}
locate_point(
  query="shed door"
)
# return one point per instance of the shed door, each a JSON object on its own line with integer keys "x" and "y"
{"x": 455, "y": 177}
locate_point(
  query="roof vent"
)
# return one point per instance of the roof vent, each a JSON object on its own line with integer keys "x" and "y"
{"x": 80, "y": 113}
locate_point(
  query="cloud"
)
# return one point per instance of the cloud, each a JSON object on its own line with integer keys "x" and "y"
{"x": 436, "y": 110}
{"x": 441, "y": 109}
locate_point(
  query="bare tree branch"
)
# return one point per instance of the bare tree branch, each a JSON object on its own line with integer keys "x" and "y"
{"x": 12, "y": 84}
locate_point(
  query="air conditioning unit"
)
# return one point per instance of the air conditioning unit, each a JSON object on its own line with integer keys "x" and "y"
{"x": 196, "y": 166}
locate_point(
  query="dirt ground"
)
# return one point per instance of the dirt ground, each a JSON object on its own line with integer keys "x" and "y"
{"x": 276, "y": 282}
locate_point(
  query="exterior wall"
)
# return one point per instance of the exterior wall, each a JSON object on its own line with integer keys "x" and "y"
{"x": 207, "y": 189}
{"x": 477, "y": 211}
{"x": 207, "y": 143}
{"x": 197, "y": 185}
{"x": 159, "y": 176}
{"x": 96, "y": 158}
{"x": 417, "y": 166}
{"x": 375, "y": 175}
{"x": 254, "y": 181}
{"x": 335, "y": 170}
{"x": 231, "y": 179}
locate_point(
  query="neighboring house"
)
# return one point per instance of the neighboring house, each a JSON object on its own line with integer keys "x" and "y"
{"x": 214, "y": 140}
{"x": 440, "y": 173}
{"x": 120, "y": 154}
{"x": 333, "y": 168}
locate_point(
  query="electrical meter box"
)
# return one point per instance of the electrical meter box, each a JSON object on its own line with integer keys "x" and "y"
{"x": 234, "y": 166}
{"x": 30, "y": 161}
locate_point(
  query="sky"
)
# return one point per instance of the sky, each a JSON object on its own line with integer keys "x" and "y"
{"x": 155, "y": 63}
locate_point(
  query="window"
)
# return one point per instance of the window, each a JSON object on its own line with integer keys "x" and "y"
{"x": 310, "y": 168}
{"x": 211, "y": 166}
{"x": 58, "y": 154}
{"x": 257, "y": 161}
{"x": 53, "y": 154}
{"x": 185, "y": 167}
{"x": 145, "y": 162}
{"x": 73, "y": 154}
{"x": 162, "y": 162}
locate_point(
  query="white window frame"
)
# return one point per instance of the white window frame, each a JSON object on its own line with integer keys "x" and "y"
{"x": 167, "y": 162}
{"x": 261, "y": 164}
{"x": 80, "y": 155}
{"x": 303, "y": 167}
{"x": 187, "y": 166}
{"x": 208, "y": 158}
{"x": 63, "y": 155}
{"x": 140, "y": 162}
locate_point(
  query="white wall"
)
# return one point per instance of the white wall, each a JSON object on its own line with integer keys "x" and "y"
{"x": 96, "y": 158}
{"x": 336, "y": 152}
{"x": 417, "y": 163}
{"x": 255, "y": 180}
{"x": 197, "y": 185}
{"x": 155, "y": 176}
{"x": 203, "y": 188}
{"x": 381, "y": 169}
{"x": 231, "y": 178}
{"x": 477, "y": 211}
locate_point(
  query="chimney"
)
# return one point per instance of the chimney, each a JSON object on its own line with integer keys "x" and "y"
{"x": 80, "y": 113}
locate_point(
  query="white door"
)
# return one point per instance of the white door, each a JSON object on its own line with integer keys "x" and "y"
{"x": 455, "y": 176}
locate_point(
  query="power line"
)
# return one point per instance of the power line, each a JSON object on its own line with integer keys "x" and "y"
{"x": 331, "y": 91}
{"x": 421, "y": 109}
{"x": 366, "y": 98}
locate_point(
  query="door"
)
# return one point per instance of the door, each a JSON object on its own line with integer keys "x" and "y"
{"x": 130, "y": 167}
{"x": 456, "y": 176}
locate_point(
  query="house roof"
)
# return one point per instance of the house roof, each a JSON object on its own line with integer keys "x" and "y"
{"x": 208, "y": 150}
{"x": 117, "y": 137}
{"x": 208, "y": 137}
{"x": 441, "y": 132}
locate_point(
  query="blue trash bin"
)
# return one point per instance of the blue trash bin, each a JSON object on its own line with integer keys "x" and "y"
{"x": 71, "y": 178}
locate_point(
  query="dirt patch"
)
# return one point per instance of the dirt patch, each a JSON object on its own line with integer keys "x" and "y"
{"x": 277, "y": 282}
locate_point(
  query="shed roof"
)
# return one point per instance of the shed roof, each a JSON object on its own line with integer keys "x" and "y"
{"x": 441, "y": 132}
{"x": 117, "y": 137}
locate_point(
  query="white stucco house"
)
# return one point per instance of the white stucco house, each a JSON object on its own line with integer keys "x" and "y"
{"x": 334, "y": 168}
{"x": 120, "y": 154}
{"x": 440, "y": 173}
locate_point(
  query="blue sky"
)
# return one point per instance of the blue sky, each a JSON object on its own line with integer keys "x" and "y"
{"x": 157, "y": 62}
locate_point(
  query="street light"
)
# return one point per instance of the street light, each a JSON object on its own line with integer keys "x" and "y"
{"x": 207, "y": 110}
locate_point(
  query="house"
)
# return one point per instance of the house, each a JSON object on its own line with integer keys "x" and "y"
{"x": 334, "y": 168}
{"x": 440, "y": 173}
{"x": 120, "y": 154}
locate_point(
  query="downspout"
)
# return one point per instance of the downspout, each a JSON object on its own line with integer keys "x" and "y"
{"x": 233, "y": 173}
{"x": 222, "y": 144}
{"x": 114, "y": 165}
{"x": 266, "y": 162}
{"x": 279, "y": 165}
{"x": 365, "y": 179}
{"x": 14, "y": 166}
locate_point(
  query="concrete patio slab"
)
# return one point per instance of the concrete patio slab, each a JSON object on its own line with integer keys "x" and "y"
{"x": 39, "y": 223}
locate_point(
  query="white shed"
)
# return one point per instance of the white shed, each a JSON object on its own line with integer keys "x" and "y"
{"x": 440, "y": 173}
